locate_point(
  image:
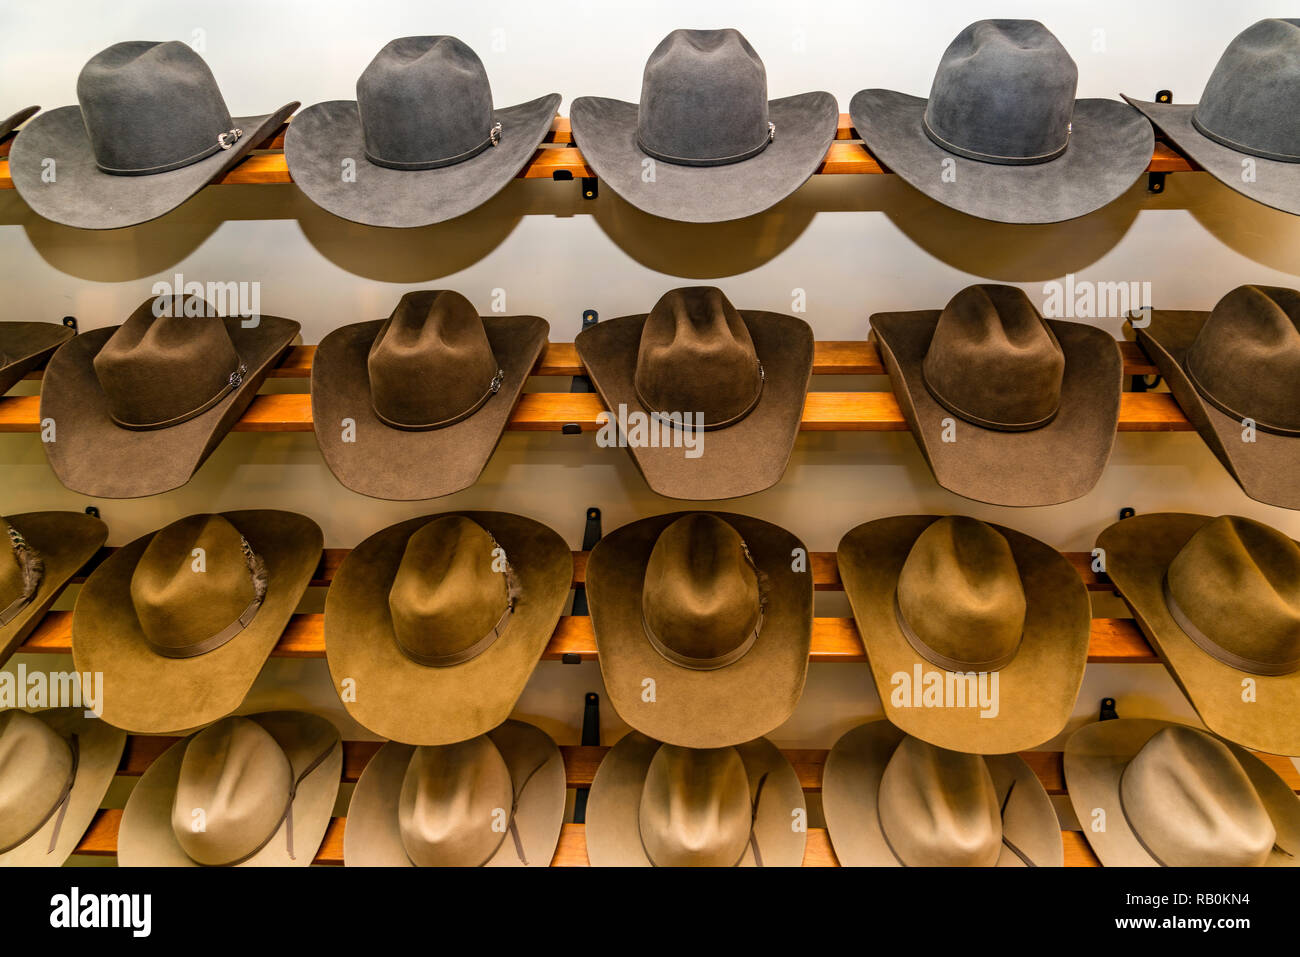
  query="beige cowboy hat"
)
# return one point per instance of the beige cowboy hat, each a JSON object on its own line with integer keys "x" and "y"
{"x": 25, "y": 346}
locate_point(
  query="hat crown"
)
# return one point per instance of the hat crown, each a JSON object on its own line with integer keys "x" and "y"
{"x": 695, "y": 807}
{"x": 1191, "y": 803}
{"x": 431, "y": 361}
{"x": 960, "y": 596}
{"x": 1248, "y": 101}
{"x": 454, "y": 801}
{"x": 35, "y": 764}
{"x": 149, "y": 107}
{"x": 696, "y": 356}
{"x": 424, "y": 102}
{"x": 703, "y": 99}
{"x": 939, "y": 808}
{"x": 994, "y": 361}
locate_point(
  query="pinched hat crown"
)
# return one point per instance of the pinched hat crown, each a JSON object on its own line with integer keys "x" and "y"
{"x": 37, "y": 768}
{"x": 1247, "y": 103}
{"x": 452, "y": 802}
{"x": 21, "y": 572}
{"x": 695, "y": 808}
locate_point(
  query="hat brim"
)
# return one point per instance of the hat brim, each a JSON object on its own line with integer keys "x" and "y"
{"x": 1139, "y": 551}
{"x": 148, "y": 693}
{"x": 1110, "y": 147}
{"x": 1036, "y": 691}
{"x": 373, "y": 837}
{"x": 1095, "y": 758}
{"x": 146, "y": 837}
{"x": 402, "y": 700}
{"x": 606, "y": 132}
{"x": 84, "y": 196}
{"x": 851, "y": 790}
{"x": 93, "y": 455}
{"x": 384, "y": 462}
{"x": 323, "y": 137}
{"x": 700, "y": 709}
{"x": 1046, "y": 466}
{"x": 25, "y": 346}
{"x": 9, "y": 123}
{"x": 99, "y": 750}
{"x": 741, "y": 459}
{"x": 613, "y": 830}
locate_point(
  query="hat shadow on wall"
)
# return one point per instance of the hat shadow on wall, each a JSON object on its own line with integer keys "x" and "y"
{"x": 1263, "y": 235}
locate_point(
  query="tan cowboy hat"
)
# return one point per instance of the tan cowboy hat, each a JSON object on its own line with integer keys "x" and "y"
{"x": 496, "y": 800}
{"x": 25, "y": 346}
{"x": 707, "y": 606}
{"x": 255, "y": 791}
{"x": 57, "y": 766}
{"x": 948, "y": 604}
{"x": 658, "y": 805}
{"x": 433, "y": 625}
{"x": 1219, "y": 600}
{"x": 427, "y": 393}
{"x": 1153, "y": 793}
{"x": 744, "y": 373}
{"x": 181, "y": 620}
{"x": 1034, "y": 402}
{"x": 892, "y": 800}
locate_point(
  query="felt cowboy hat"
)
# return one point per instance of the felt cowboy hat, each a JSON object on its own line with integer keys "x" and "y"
{"x": 57, "y": 766}
{"x": 151, "y": 130}
{"x": 181, "y": 620}
{"x": 1239, "y": 362}
{"x": 705, "y": 144}
{"x": 1154, "y": 793}
{"x": 1001, "y": 135}
{"x": 946, "y": 606}
{"x": 433, "y": 625}
{"x": 255, "y": 790}
{"x": 137, "y": 408}
{"x": 740, "y": 376}
{"x": 658, "y": 805}
{"x": 39, "y": 553}
{"x": 1219, "y": 599}
{"x": 496, "y": 800}
{"x": 1243, "y": 131}
{"x": 709, "y": 607}
{"x": 1034, "y": 402}
{"x": 428, "y": 392}
{"x": 421, "y": 139}
{"x": 25, "y": 346}
{"x": 892, "y": 800}
{"x": 11, "y": 123}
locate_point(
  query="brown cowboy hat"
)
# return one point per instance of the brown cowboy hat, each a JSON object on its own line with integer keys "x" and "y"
{"x": 744, "y": 373}
{"x": 658, "y": 805}
{"x": 1239, "y": 361}
{"x": 496, "y": 800}
{"x": 427, "y": 391}
{"x": 1035, "y": 401}
{"x": 137, "y": 408}
{"x": 254, "y": 791}
{"x": 1219, "y": 600}
{"x": 181, "y": 620}
{"x": 943, "y": 601}
{"x": 433, "y": 625}
{"x": 15, "y": 120}
{"x": 1154, "y": 793}
{"x": 707, "y": 605}
{"x": 892, "y": 800}
{"x": 25, "y": 346}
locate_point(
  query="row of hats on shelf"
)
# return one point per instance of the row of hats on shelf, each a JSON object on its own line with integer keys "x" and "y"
{"x": 1001, "y": 135}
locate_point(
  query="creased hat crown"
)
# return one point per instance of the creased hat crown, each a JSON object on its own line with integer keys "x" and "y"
{"x": 35, "y": 767}
{"x": 455, "y": 803}
{"x": 695, "y": 807}
{"x": 1248, "y": 102}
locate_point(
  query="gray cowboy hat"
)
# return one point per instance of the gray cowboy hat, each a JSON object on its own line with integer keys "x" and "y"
{"x": 25, "y": 346}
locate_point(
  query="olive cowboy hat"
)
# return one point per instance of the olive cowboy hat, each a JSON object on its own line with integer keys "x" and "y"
{"x": 25, "y": 346}
{"x": 705, "y": 144}
{"x": 254, "y": 791}
{"x": 1219, "y": 600}
{"x": 658, "y": 805}
{"x": 1157, "y": 794}
{"x": 1002, "y": 136}
{"x": 11, "y": 123}
{"x": 137, "y": 408}
{"x": 57, "y": 766}
{"x": 943, "y": 601}
{"x": 412, "y": 406}
{"x": 696, "y": 358}
{"x": 1235, "y": 366}
{"x": 708, "y": 606}
{"x": 150, "y": 130}
{"x": 892, "y": 800}
{"x": 496, "y": 800}
{"x": 434, "y": 625}
{"x": 181, "y": 620}
{"x": 1033, "y": 403}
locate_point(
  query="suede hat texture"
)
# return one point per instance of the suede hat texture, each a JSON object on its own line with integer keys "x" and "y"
{"x": 25, "y": 346}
